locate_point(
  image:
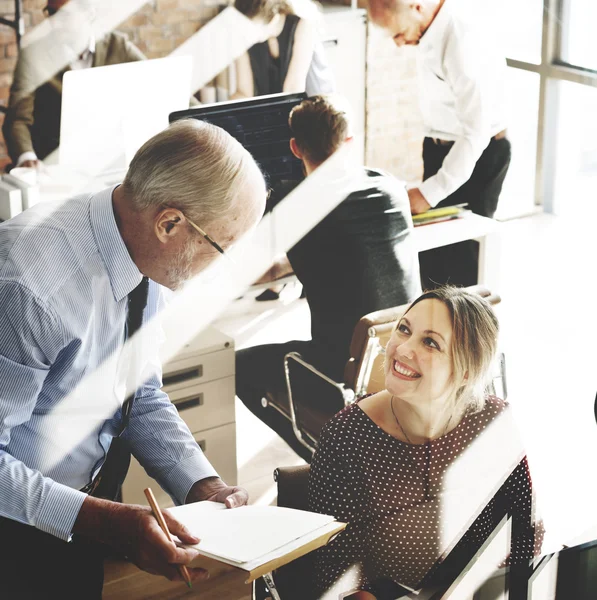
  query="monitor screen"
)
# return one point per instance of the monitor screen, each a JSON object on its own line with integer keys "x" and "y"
{"x": 261, "y": 126}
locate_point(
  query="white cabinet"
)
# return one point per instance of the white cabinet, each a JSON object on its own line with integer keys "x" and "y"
{"x": 345, "y": 43}
{"x": 200, "y": 383}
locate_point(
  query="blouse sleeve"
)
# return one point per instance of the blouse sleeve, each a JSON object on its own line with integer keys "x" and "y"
{"x": 527, "y": 528}
{"x": 333, "y": 491}
{"x": 329, "y": 492}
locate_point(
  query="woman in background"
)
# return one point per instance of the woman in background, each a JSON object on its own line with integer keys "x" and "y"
{"x": 291, "y": 59}
{"x": 412, "y": 467}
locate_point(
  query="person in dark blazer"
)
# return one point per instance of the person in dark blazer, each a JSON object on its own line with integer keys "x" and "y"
{"x": 360, "y": 258}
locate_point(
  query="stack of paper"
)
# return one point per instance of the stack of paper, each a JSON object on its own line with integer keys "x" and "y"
{"x": 257, "y": 539}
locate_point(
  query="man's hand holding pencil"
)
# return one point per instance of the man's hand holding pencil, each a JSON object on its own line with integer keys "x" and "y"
{"x": 145, "y": 538}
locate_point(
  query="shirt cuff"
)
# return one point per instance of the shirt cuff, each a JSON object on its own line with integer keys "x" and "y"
{"x": 182, "y": 478}
{"x": 432, "y": 191}
{"x": 59, "y": 510}
{"x": 26, "y": 156}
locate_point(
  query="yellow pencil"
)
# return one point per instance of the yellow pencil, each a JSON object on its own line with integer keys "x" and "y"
{"x": 157, "y": 513}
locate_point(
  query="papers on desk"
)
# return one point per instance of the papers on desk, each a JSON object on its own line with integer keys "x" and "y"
{"x": 437, "y": 215}
{"x": 257, "y": 539}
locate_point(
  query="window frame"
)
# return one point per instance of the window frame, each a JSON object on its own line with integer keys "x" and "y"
{"x": 551, "y": 70}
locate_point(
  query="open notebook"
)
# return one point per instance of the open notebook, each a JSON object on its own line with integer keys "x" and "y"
{"x": 257, "y": 539}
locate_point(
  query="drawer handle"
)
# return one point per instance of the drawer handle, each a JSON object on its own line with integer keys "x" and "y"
{"x": 183, "y": 375}
{"x": 330, "y": 43}
{"x": 189, "y": 402}
{"x": 202, "y": 445}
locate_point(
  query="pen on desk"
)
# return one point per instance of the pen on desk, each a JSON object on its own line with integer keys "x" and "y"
{"x": 157, "y": 513}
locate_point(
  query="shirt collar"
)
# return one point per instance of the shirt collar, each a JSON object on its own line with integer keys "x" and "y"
{"x": 436, "y": 31}
{"x": 122, "y": 271}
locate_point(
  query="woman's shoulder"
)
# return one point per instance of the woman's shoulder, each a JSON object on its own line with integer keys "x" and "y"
{"x": 495, "y": 405}
{"x": 347, "y": 417}
{"x": 352, "y": 421}
{"x": 494, "y": 409}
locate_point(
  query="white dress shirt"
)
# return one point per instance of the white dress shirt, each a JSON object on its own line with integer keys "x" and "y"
{"x": 462, "y": 81}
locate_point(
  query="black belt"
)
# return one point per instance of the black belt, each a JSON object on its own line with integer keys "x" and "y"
{"x": 439, "y": 142}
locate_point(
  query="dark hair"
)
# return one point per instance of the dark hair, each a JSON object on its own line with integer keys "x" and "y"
{"x": 474, "y": 342}
{"x": 319, "y": 125}
{"x": 267, "y": 9}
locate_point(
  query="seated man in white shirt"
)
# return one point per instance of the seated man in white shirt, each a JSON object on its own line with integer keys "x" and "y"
{"x": 462, "y": 89}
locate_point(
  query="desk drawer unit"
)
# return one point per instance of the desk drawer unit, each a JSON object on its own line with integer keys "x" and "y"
{"x": 200, "y": 383}
{"x": 184, "y": 372}
{"x": 206, "y": 405}
{"x": 219, "y": 445}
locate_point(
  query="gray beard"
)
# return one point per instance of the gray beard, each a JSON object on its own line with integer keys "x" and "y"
{"x": 180, "y": 272}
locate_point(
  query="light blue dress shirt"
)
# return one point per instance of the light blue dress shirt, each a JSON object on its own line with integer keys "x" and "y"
{"x": 65, "y": 274}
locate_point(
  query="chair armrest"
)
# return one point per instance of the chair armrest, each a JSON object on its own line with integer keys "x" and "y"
{"x": 348, "y": 394}
{"x": 292, "y": 486}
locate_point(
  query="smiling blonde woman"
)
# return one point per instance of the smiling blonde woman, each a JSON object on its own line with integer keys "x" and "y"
{"x": 407, "y": 467}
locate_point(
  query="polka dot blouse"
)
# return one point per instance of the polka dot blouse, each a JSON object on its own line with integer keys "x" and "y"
{"x": 396, "y": 496}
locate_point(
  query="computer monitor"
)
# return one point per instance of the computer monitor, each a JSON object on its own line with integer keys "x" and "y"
{"x": 261, "y": 126}
{"x": 109, "y": 112}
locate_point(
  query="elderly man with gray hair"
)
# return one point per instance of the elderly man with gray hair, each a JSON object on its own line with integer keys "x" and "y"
{"x": 77, "y": 279}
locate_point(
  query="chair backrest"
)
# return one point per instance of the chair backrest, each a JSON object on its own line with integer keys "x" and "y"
{"x": 364, "y": 371}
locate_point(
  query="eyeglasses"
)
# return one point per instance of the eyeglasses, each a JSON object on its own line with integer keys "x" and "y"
{"x": 206, "y": 236}
{"x": 49, "y": 11}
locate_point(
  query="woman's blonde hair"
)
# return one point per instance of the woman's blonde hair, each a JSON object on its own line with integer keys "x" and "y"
{"x": 475, "y": 331}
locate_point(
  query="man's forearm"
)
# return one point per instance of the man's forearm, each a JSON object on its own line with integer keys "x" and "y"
{"x": 97, "y": 519}
{"x": 206, "y": 488}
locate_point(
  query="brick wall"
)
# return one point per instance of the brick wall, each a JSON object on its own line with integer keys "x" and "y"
{"x": 394, "y": 127}
{"x": 157, "y": 28}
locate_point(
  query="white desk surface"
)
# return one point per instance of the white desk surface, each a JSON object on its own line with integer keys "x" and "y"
{"x": 470, "y": 227}
{"x": 58, "y": 183}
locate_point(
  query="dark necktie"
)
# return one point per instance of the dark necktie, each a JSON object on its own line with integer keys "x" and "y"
{"x": 108, "y": 481}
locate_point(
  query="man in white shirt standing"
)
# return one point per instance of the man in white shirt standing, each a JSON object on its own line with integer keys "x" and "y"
{"x": 466, "y": 153}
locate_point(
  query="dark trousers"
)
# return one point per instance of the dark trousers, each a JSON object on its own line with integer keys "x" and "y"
{"x": 260, "y": 370}
{"x": 458, "y": 264}
{"x": 38, "y": 566}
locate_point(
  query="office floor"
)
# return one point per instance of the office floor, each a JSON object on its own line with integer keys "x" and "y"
{"x": 549, "y": 334}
